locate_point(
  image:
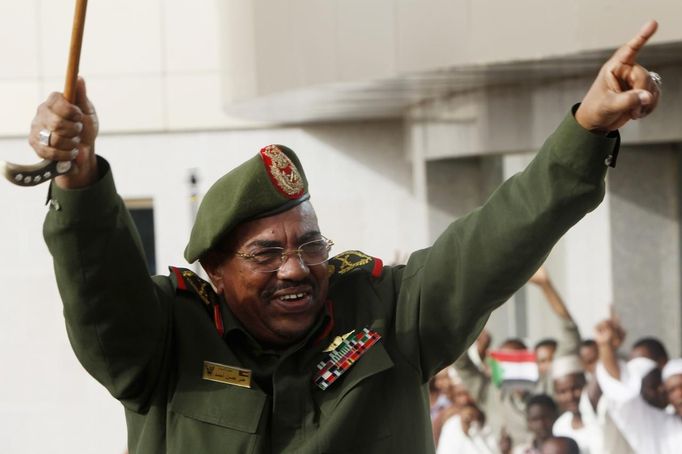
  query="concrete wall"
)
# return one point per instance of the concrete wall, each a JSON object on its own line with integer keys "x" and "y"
{"x": 645, "y": 242}
{"x": 284, "y": 45}
{"x": 150, "y": 65}
{"x": 518, "y": 118}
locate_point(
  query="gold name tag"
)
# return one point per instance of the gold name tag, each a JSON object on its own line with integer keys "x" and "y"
{"x": 227, "y": 374}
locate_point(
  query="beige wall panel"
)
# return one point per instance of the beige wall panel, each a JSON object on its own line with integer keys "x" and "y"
{"x": 315, "y": 40}
{"x": 20, "y": 99}
{"x": 426, "y": 47}
{"x": 431, "y": 32}
{"x": 550, "y": 103}
{"x": 237, "y": 48}
{"x": 19, "y": 36}
{"x": 521, "y": 30}
{"x": 519, "y": 118}
{"x": 502, "y": 127}
{"x": 645, "y": 242}
{"x": 128, "y": 103}
{"x": 193, "y": 102}
{"x": 366, "y": 39}
{"x": 587, "y": 268}
{"x": 122, "y": 37}
{"x": 47, "y": 85}
{"x": 275, "y": 47}
{"x": 609, "y": 23}
{"x": 190, "y": 32}
{"x": 55, "y": 16}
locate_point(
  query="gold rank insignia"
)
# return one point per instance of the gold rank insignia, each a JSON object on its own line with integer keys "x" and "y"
{"x": 226, "y": 374}
{"x": 348, "y": 261}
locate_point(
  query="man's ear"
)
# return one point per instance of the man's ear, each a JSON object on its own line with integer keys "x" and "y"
{"x": 212, "y": 263}
{"x": 216, "y": 279}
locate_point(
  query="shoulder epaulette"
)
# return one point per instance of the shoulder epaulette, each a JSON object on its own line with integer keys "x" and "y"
{"x": 187, "y": 281}
{"x": 354, "y": 261}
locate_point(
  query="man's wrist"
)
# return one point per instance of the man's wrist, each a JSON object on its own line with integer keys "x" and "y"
{"x": 582, "y": 119}
{"x": 84, "y": 173}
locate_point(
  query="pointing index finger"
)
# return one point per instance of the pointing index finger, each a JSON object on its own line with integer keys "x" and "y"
{"x": 628, "y": 52}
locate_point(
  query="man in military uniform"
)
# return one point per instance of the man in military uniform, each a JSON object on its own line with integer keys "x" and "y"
{"x": 285, "y": 350}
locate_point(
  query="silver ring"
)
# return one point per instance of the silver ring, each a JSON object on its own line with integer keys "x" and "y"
{"x": 656, "y": 79}
{"x": 44, "y": 137}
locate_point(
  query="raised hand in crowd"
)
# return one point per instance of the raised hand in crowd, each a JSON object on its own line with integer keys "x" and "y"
{"x": 542, "y": 280}
{"x": 609, "y": 335}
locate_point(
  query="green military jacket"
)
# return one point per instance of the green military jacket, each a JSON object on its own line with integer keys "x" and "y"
{"x": 147, "y": 340}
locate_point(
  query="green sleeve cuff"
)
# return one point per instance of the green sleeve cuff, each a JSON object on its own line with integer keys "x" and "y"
{"x": 80, "y": 206}
{"x": 585, "y": 152}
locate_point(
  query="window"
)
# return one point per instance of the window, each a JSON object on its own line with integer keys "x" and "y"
{"x": 142, "y": 212}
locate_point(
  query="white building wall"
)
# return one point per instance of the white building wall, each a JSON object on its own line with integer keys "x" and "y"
{"x": 304, "y": 43}
{"x": 150, "y": 65}
{"x": 153, "y": 71}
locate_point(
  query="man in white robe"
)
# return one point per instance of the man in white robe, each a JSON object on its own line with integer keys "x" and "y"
{"x": 648, "y": 428}
{"x": 584, "y": 420}
{"x": 467, "y": 433}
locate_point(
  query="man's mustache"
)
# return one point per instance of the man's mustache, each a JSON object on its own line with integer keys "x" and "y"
{"x": 284, "y": 285}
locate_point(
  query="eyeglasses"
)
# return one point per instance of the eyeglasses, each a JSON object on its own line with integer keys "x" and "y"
{"x": 271, "y": 259}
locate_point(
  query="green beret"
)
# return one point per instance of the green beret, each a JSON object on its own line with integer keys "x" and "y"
{"x": 269, "y": 183}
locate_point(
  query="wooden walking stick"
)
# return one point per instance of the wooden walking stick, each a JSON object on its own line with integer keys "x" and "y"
{"x": 31, "y": 175}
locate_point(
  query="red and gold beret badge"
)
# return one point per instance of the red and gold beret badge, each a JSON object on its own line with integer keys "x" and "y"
{"x": 282, "y": 172}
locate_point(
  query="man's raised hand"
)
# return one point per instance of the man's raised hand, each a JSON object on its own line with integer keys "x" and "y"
{"x": 623, "y": 89}
{"x": 73, "y": 130}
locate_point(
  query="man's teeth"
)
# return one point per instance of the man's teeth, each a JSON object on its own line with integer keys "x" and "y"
{"x": 292, "y": 296}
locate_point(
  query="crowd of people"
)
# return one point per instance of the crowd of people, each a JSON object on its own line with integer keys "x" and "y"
{"x": 585, "y": 399}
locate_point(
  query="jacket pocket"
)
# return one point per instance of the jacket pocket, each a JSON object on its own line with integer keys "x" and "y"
{"x": 212, "y": 417}
{"x": 353, "y": 409}
{"x": 223, "y": 405}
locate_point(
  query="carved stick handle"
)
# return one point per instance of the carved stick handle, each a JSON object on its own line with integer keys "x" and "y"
{"x": 31, "y": 175}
